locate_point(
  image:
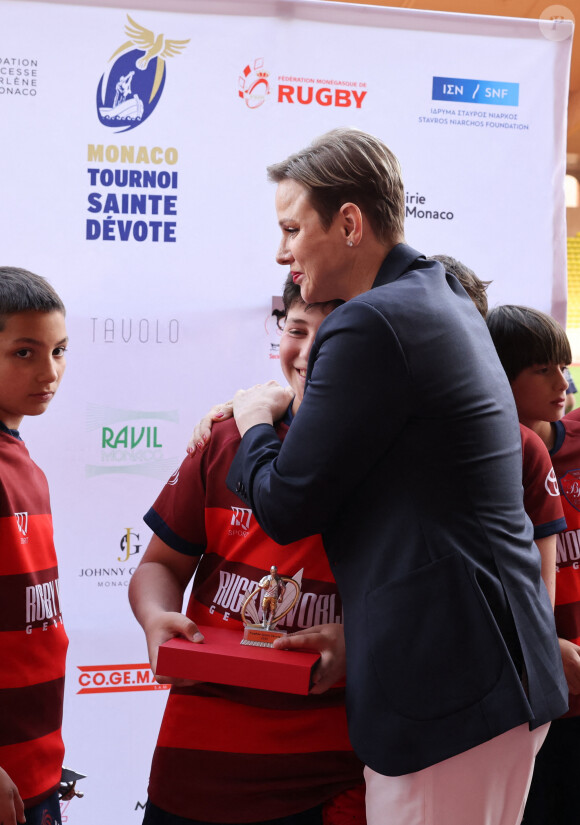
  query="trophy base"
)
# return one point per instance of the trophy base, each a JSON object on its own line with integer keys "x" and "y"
{"x": 258, "y": 636}
{"x": 222, "y": 660}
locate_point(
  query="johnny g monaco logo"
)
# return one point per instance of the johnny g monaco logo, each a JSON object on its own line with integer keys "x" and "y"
{"x": 133, "y": 83}
{"x": 129, "y": 441}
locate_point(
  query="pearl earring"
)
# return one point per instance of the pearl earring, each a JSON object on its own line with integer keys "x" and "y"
{"x": 349, "y": 243}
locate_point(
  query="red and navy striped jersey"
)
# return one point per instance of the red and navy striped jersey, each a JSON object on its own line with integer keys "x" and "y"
{"x": 223, "y": 750}
{"x": 541, "y": 494}
{"x": 33, "y": 641}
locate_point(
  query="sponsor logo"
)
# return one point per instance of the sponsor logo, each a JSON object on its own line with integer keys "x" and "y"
{"x": 132, "y": 85}
{"x": 253, "y": 86}
{"x": 568, "y": 549}
{"x": 415, "y": 204}
{"x": 310, "y": 609}
{"x": 551, "y": 484}
{"x": 174, "y": 479}
{"x": 132, "y": 204}
{"x": 466, "y": 90}
{"x": 254, "y": 89}
{"x": 570, "y": 484}
{"x": 43, "y": 605}
{"x": 320, "y": 92}
{"x": 241, "y": 517}
{"x": 128, "y": 545}
{"x": 22, "y": 524}
{"x": 135, "y": 331}
{"x": 135, "y": 448}
{"x": 473, "y": 118}
{"x": 117, "y": 679}
{"x": 18, "y": 76}
{"x": 107, "y": 577}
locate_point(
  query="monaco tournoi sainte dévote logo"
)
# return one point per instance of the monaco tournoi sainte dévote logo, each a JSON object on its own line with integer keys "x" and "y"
{"x": 132, "y": 86}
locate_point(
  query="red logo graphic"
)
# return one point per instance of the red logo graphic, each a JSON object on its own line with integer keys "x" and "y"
{"x": 327, "y": 94}
{"x": 117, "y": 679}
{"x": 570, "y": 484}
{"x": 253, "y": 84}
{"x": 254, "y": 88}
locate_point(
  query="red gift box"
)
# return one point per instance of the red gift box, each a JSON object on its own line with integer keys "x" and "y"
{"x": 222, "y": 659}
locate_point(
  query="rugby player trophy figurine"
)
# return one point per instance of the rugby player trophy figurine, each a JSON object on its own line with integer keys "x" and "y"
{"x": 279, "y": 595}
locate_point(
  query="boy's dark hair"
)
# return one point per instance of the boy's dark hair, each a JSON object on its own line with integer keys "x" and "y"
{"x": 474, "y": 286}
{"x": 291, "y": 295}
{"x": 524, "y": 337}
{"x": 23, "y": 291}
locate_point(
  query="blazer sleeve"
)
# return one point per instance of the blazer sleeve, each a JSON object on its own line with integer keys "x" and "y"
{"x": 357, "y": 400}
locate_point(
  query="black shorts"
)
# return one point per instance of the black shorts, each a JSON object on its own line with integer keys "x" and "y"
{"x": 156, "y": 816}
{"x": 46, "y": 813}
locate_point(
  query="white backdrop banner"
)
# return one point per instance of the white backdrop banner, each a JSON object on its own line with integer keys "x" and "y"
{"x": 134, "y": 148}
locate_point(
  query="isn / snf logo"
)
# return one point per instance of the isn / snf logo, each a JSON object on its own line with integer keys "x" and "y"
{"x": 132, "y": 85}
{"x": 467, "y": 90}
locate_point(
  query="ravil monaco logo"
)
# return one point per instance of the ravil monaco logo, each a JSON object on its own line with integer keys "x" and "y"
{"x": 133, "y": 83}
{"x": 129, "y": 441}
{"x": 117, "y": 679}
{"x": 254, "y": 89}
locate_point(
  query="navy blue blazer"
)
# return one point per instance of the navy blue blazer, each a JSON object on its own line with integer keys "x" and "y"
{"x": 449, "y": 629}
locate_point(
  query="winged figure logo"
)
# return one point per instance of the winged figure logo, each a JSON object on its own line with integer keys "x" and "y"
{"x": 132, "y": 85}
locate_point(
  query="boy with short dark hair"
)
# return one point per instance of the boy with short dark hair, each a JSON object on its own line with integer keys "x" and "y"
{"x": 33, "y": 641}
{"x": 279, "y": 759}
{"x": 534, "y": 351}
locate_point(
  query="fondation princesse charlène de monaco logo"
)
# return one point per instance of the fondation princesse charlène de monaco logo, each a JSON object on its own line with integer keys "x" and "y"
{"x": 133, "y": 83}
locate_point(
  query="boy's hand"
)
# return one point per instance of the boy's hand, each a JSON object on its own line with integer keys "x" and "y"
{"x": 571, "y": 661}
{"x": 167, "y": 626}
{"x": 202, "y": 431}
{"x": 11, "y": 805}
{"x": 326, "y": 639}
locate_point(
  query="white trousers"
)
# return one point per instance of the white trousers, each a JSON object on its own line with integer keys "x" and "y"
{"x": 486, "y": 785}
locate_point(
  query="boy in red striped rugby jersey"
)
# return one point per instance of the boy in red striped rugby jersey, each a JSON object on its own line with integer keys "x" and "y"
{"x": 534, "y": 352}
{"x": 234, "y": 755}
{"x": 33, "y": 641}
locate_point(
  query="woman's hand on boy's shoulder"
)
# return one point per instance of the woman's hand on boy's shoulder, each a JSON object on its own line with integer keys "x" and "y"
{"x": 201, "y": 435}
